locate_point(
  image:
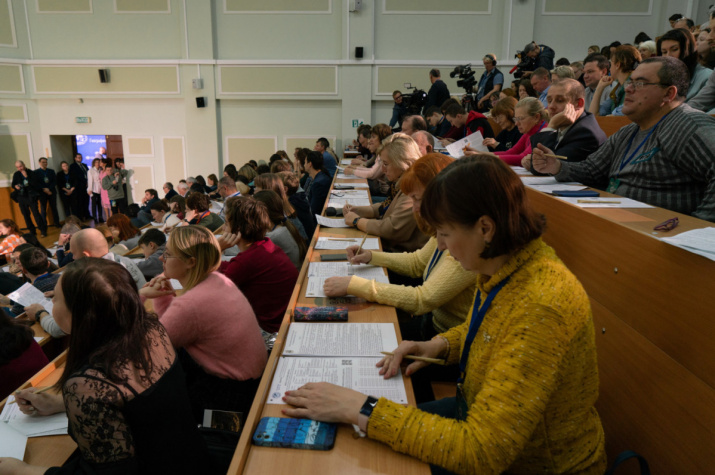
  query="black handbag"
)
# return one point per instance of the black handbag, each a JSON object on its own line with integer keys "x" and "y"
{"x": 15, "y": 196}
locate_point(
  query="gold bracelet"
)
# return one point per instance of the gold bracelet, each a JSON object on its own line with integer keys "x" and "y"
{"x": 446, "y": 357}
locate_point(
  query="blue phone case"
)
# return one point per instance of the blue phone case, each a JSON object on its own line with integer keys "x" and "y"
{"x": 576, "y": 194}
{"x": 294, "y": 433}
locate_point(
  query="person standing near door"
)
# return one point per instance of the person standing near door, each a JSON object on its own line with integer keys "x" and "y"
{"x": 79, "y": 170}
{"x": 26, "y": 197}
{"x": 45, "y": 185}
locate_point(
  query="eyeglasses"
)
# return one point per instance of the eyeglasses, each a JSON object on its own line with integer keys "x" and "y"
{"x": 667, "y": 225}
{"x": 166, "y": 255}
{"x": 638, "y": 85}
{"x": 519, "y": 119}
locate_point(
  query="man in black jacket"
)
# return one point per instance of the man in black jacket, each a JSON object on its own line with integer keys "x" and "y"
{"x": 542, "y": 55}
{"x": 79, "y": 170}
{"x": 438, "y": 93}
{"x": 26, "y": 196}
{"x": 45, "y": 184}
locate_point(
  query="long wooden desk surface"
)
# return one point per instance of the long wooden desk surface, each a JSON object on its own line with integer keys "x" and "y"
{"x": 350, "y": 455}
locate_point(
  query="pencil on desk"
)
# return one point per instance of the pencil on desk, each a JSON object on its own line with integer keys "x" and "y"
{"x": 595, "y": 202}
{"x": 561, "y": 157}
{"x": 342, "y": 239}
{"x": 36, "y": 392}
{"x": 418, "y": 358}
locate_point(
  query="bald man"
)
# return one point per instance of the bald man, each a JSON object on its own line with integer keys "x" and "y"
{"x": 425, "y": 141}
{"x": 91, "y": 243}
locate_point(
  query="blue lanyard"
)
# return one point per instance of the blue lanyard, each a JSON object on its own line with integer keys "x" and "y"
{"x": 435, "y": 259}
{"x": 477, "y": 319}
{"x": 625, "y": 161}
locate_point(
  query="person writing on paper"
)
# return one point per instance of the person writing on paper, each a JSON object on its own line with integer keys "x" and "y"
{"x": 223, "y": 351}
{"x": 392, "y": 220}
{"x": 122, "y": 387}
{"x": 163, "y": 217}
{"x": 503, "y": 115}
{"x": 262, "y": 270}
{"x": 530, "y": 117}
{"x": 666, "y": 158}
{"x": 527, "y": 353}
{"x": 373, "y": 170}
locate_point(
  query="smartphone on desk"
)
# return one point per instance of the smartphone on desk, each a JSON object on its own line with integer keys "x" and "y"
{"x": 295, "y": 433}
{"x": 576, "y": 193}
{"x": 333, "y": 257}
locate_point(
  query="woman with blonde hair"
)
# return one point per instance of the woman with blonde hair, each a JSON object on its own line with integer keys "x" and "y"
{"x": 212, "y": 321}
{"x": 392, "y": 220}
{"x": 248, "y": 171}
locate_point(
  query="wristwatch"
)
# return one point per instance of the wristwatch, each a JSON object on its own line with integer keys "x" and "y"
{"x": 39, "y": 313}
{"x": 355, "y": 221}
{"x": 366, "y": 412}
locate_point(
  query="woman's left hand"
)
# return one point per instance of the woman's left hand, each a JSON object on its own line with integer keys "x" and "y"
{"x": 350, "y": 217}
{"x": 159, "y": 286}
{"x": 324, "y": 402}
{"x": 336, "y": 286}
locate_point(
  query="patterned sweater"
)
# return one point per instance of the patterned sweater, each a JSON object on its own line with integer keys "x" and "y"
{"x": 531, "y": 381}
{"x": 448, "y": 293}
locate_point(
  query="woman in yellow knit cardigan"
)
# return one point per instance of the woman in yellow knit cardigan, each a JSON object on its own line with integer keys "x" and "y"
{"x": 525, "y": 401}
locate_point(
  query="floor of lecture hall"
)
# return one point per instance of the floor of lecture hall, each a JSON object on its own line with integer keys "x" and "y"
{"x": 53, "y": 233}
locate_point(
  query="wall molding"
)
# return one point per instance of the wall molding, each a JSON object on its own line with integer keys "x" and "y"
{"x": 11, "y": 16}
{"x": 104, "y": 93}
{"x": 228, "y": 137}
{"x": 329, "y": 11}
{"x": 163, "y": 154}
{"x": 221, "y": 92}
{"x": 24, "y": 109}
{"x": 61, "y": 12}
{"x": 142, "y": 12}
{"x": 22, "y": 79}
{"x": 127, "y": 138}
{"x": 646, "y": 13}
{"x": 385, "y": 11}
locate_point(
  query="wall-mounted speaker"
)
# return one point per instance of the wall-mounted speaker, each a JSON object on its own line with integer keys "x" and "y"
{"x": 358, "y": 52}
{"x": 104, "y": 75}
{"x": 200, "y": 102}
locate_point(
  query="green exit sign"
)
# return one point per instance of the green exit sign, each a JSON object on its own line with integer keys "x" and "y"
{"x": 83, "y": 120}
{"x": 357, "y": 123}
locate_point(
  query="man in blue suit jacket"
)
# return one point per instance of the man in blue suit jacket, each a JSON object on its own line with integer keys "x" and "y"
{"x": 319, "y": 187}
{"x": 571, "y": 132}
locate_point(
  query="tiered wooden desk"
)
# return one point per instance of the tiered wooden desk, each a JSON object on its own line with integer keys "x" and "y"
{"x": 350, "y": 455}
{"x": 654, "y": 313}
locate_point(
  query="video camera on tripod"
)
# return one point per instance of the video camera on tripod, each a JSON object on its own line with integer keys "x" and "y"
{"x": 526, "y": 63}
{"x": 467, "y": 81}
{"x": 414, "y": 101}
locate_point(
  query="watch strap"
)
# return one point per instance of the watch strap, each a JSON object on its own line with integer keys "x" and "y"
{"x": 366, "y": 412}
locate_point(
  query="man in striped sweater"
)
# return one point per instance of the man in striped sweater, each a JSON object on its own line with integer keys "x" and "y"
{"x": 665, "y": 158}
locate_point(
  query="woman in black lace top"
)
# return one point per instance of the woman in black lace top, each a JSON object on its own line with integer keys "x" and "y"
{"x": 123, "y": 388}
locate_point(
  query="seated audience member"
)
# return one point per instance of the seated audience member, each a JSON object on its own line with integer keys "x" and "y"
{"x": 198, "y": 212}
{"x": 526, "y": 89}
{"x": 300, "y": 155}
{"x": 680, "y": 44}
{"x": 177, "y": 205}
{"x": 530, "y": 117}
{"x": 706, "y": 57}
{"x": 36, "y": 268}
{"x": 541, "y": 82}
{"x": 593, "y": 49}
{"x": 467, "y": 123}
{"x": 572, "y": 132}
{"x": 444, "y": 299}
{"x": 329, "y": 161}
{"x": 577, "y": 68}
{"x": 152, "y": 243}
{"x": 282, "y": 231}
{"x": 318, "y": 187}
{"x": 665, "y": 158}
{"x": 224, "y": 355}
{"x": 398, "y": 110}
{"x": 169, "y": 191}
{"x": 648, "y": 49}
{"x": 529, "y": 379}
{"x": 211, "y": 183}
{"x": 21, "y": 357}
{"x": 623, "y": 61}
{"x": 262, "y": 270}
{"x": 439, "y": 125}
{"x": 194, "y": 185}
{"x": 685, "y": 24}
{"x": 124, "y": 231}
{"x": 182, "y": 189}
{"x": 612, "y": 49}
{"x": 392, "y": 220}
{"x": 373, "y": 170}
{"x": 247, "y": 171}
{"x": 143, "y": 217}
{"x": 595, "y": 66}
{"x": 438, "y": 91}
{"x": 13, "y": 258}
{"x": 11, "y": 239}
{"x": 271, "y": 181}
{"x": 162, "y": 216}
{"x": 503, "y": 114}
{"x": 413, "y": 123}
{"x": 363, "y": 135}
{"x": 9, "y": 283}
{"x": 562, "y": 62}
{"x": 122, "y": 386}
{"x": 641, "y": 37}
{"x": 561, "y": 72}
{"x": 227, "y": 189}
{"x": 63, "y": 255}
{"x": 425, "y": 141}
{"x": 281, "y": 166}
{"x": 107, "y": 233}
{"x": 299, "y": 202}
{"x": 262, "y": 168}
{"x": 490, "y": 83}
{"x": 92, "y": 243}
{"x": 202, "y": 183}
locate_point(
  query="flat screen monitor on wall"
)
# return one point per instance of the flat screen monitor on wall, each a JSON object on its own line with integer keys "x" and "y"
{"x": 91, "y": 147}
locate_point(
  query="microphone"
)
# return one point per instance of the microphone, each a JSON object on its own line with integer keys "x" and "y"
{"x": 330, "y": 211}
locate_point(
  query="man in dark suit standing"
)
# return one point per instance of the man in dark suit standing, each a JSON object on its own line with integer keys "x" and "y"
{"x": 438, "y": 93}
{"x": 79, "y": 170}
{"x": 571, "y": 132}
{"x": 45, "y": 183}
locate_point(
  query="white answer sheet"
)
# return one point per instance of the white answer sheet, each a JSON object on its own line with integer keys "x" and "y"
{"x": 339, "y": 339}
{"x": 331, "y": 222}
{"x": 324, "y": 243}
{"x": 29, "y": 294}
{"x": 359, "y": 374}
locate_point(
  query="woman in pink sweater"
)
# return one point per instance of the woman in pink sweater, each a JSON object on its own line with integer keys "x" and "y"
{"x": 224, "y": 353}
{"x": 530, "y": 117}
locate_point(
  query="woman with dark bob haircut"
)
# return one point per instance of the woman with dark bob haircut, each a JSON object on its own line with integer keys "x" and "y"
{"x": 123, "y": 388}
{"x": 527, "y": 353}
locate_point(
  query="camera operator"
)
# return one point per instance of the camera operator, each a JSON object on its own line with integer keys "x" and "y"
{"x": 399, "y": 110}
{"x": 490, "y": 83}
{"x": 438, "y": 93}
{"x": 540, "y": 56}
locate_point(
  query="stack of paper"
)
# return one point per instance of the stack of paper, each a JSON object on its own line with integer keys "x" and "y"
{"x": 340, "y": 353}
{"x": 29, "y": 294}
{"x": 345, "y": 162}
{"x": 605, "y": 202}
{"x": 324, "y": 243}
{"x": 456, "y": 149}
{"x": 32, "y": 426}
{"x": 697, "y": 241}
{"x": 12, "y": 442}
{"x": 318, "y": 272}
{"x": 339, "y": 198}
{"x": 331, "y": 222}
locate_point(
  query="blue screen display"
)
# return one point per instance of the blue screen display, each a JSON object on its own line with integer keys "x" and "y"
{"x": 91, "y": 147}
